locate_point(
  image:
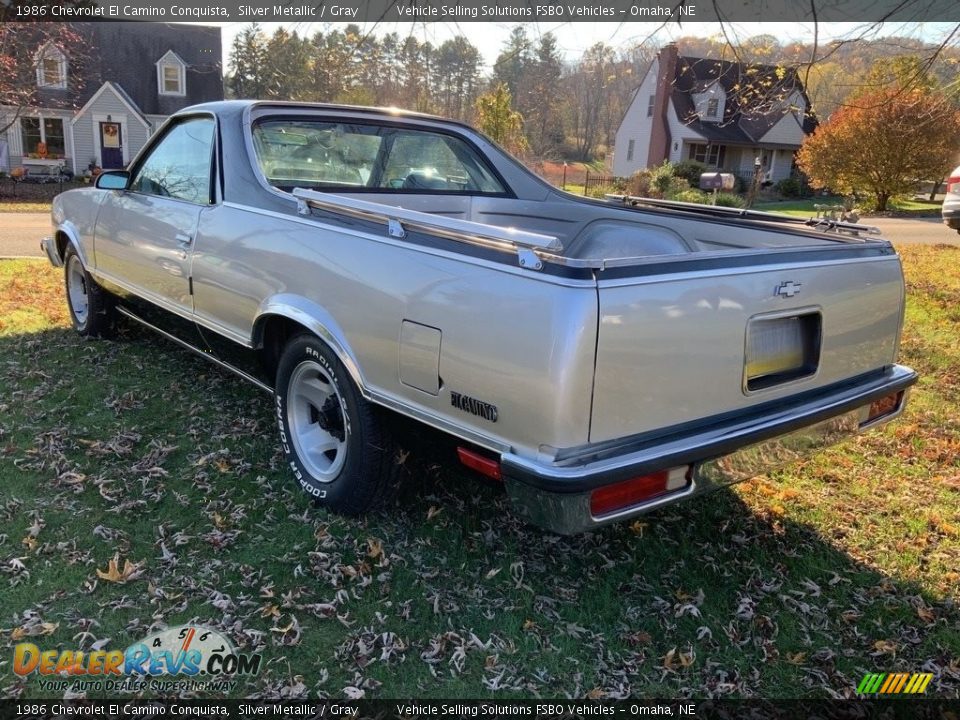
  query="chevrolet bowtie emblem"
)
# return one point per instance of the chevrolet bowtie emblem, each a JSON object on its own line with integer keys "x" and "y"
{"x": 788, "y": 289}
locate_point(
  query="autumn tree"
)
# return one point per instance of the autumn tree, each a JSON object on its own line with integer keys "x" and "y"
{"x": 497, "y": 118}
{"x": 884, "y": 144}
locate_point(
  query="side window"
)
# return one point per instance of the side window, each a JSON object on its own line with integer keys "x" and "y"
{"x": 179, "y": 166}
{"x": 437, "y": 163}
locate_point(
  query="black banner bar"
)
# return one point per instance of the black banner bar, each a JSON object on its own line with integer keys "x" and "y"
{"x": 613, "y": 11}
{"x": 868, "y": 709}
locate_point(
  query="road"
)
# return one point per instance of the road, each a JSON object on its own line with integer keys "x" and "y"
{"x": 20, "y": 233}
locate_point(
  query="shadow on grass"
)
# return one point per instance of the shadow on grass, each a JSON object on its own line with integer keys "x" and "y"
{"x": 137, "y": 450}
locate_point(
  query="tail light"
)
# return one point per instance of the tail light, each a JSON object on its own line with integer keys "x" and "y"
{"x": 480, "y": 463}
{"x": 953, "y": 184}
{"x": 882, "y": 407}
{"x": 617, "y": 496}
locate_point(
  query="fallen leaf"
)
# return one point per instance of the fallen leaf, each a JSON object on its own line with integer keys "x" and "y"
{"x": 131, "y": 571}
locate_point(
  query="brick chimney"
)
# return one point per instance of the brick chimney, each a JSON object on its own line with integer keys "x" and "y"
{"x": 660, "y": 133}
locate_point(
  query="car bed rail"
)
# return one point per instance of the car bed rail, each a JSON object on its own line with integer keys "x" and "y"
{"x": 398, "y": 220}
{"x": 824, "y": 224}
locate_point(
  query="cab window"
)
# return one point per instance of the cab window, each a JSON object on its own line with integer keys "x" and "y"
{"x": 368, "y": 158}
{"x": 179, "y": 166}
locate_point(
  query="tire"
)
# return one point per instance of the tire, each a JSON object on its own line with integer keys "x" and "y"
{"x": 91, "y": 307}
{"x": 337, "y": 445}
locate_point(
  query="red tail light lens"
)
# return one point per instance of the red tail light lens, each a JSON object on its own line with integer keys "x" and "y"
{"x": 610, "y": 498}
{"x": 476, "y": 461}
{"x": 953, "y": 184}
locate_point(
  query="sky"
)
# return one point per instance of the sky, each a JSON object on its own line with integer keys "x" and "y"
{"x": 575, "y": 37}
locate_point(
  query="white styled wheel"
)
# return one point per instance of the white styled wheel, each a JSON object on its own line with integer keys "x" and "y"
{"x": 337, "y": 444}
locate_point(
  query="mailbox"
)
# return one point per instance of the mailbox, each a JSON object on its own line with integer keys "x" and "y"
{"x": 717, "y": 181}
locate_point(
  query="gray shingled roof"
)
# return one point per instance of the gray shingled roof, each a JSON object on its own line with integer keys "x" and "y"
{"x": 748, "y": 112}
{"x": 125, "y": 53}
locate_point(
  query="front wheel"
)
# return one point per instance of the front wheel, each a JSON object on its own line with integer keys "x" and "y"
{"x": 336, "y": 443}
{"x": 91, "y": 307}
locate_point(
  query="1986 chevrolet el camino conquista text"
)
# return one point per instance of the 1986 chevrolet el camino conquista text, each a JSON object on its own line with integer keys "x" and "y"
{"x": 602, "y": 358}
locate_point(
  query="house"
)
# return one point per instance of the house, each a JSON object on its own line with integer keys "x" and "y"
{"x": 724, "y": 114}
{"x": 102, "y": 108}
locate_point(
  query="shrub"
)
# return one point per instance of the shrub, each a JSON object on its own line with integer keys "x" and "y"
{"x": 793, "y": 187}
{"x": 662, "y": 179}
{"x": 639, "y": 183}
{"x": 676, "y": 186}
{"x": 692, "y": 196}
{"x": 730, "y": 200}
{"x": 691, "y": 170}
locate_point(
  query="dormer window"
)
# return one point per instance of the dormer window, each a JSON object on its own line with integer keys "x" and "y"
{"x": 51, "y": 67}
{"x": 713, "y": 106}
{"x": 171, "y": 75}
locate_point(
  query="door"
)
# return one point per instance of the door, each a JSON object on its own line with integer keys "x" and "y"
{"x": 144, "y": 234}
{"x": 111, "y": 145}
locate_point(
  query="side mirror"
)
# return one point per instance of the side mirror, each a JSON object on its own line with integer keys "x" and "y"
{"x": 113, "y": 180}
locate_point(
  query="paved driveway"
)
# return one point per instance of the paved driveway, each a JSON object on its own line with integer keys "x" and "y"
{"x": 20, "y": 233}
{"x": 924, "y": 231}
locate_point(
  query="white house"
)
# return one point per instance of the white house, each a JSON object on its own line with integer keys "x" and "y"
{"x": 724, "y": 114}
{"x": 102, "y": 110}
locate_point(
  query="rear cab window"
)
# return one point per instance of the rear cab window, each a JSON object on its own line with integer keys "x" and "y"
{"x": 355, "y": 157}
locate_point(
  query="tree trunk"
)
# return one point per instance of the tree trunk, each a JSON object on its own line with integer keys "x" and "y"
{"x": 936, "y": 189}
{"x": 882, "y": 199}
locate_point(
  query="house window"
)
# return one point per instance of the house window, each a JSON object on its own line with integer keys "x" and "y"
{"x": 711, "y": 155}
{"x": 171, "y": 75}
{"x": 650, "y": 103}
{"x": 713, "y": 105}
{"x": 42, "y": 138}
{"x": 171, "y": 80}
{"x": 630, "y": 144}
{"x": 51, "y": 67}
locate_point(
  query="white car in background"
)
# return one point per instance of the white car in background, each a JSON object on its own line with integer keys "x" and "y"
{"x": 951, "y": 203}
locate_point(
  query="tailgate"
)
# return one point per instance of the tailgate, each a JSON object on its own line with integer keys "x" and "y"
{"x": 690, "y": 340}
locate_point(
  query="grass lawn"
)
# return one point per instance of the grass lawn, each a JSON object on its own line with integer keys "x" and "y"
{"x": 805, "y": 208}
{"x": 13, "y": 206}
{"x": 791, "y": 585}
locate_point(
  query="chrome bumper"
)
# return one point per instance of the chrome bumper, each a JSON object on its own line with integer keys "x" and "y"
{"x": 49, "y": 246}
{"x": 557, "y": 496}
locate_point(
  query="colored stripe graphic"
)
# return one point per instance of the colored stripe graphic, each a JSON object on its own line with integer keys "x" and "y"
{"x": 870, "y": 683}
{"x": 894, "y": 683}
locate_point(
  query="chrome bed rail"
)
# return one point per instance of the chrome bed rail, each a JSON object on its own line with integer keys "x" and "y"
{"x": 398, "y": 220}
{"x": 824, "y": 224}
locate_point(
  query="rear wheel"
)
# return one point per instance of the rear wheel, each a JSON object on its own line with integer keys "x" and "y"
{"x": 336, "y": 443}
{"x": 91, "y": 307}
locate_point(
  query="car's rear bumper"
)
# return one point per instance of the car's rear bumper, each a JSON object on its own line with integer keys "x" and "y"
{"x": 952, "y": 218}
{"x": 557, "y": 495}
{"x": 49, "y": 246}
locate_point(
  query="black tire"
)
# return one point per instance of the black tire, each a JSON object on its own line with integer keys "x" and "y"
{"x": 92, "y": 309}
{"x": 317, "y": 404}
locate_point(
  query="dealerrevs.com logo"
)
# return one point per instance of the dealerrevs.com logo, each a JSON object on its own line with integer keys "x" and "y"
{"x": 188, "y": 653}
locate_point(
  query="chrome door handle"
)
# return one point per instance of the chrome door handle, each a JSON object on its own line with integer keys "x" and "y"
{"x": 184, "y": 240}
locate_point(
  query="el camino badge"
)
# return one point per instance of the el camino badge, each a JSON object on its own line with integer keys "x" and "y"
{"x": 788, "y": 289}
{"x": 474, "y": 406}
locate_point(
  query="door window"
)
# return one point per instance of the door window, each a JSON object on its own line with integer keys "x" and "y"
{"x": 179, "y": 166}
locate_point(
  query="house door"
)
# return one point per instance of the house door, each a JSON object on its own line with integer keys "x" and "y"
{"x": 111, "y": 145}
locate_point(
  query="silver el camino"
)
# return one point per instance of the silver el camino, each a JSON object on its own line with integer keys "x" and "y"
{"x": 601, "y": 358}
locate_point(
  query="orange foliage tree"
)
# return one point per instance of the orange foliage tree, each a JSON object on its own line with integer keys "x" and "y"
{"x": 884, "y": 144}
